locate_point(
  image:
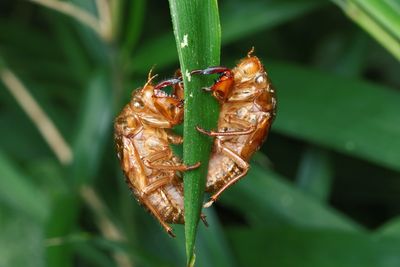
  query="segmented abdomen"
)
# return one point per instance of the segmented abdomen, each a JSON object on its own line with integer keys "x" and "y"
{"x": 221, "y": 170}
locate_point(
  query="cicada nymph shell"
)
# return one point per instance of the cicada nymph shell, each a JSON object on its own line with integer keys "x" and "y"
{"x": 248, "y": 108}
{"x": 142, "y": 133}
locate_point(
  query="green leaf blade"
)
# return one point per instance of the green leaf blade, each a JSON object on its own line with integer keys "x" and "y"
{"x": 18, "y": 193}
{"x": 293, "y": 247}
{"x": 378, "y": 18}
{"x": 347, "y": 115}
{"x": 258, "y": 17}
{"x": 315, "y": 174}
{"x": 275, "y": 202}
{"x": 198, "y": 39}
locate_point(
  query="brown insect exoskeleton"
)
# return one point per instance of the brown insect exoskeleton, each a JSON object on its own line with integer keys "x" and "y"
{"x": 248, "y": 107}
{"x": 142, "y": 136}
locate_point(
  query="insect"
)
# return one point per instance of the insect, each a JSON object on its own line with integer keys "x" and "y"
{"x": 142, "y": 133}
{"x": 248, "y": 108}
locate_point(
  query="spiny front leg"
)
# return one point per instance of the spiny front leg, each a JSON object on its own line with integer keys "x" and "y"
{"x": 222, "y": 85}
{"x": 169, "y": 82}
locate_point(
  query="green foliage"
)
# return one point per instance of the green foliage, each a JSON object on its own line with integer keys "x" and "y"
{"x": 322, "y": 191}
{"x": 314, "y": 248}
{"x": 379, "y": 18}
{"x": 198, "y": 40}
{"x": 349, "y": 113}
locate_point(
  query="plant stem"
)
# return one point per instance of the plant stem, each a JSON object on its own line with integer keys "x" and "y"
{"x": 198, "y": 39}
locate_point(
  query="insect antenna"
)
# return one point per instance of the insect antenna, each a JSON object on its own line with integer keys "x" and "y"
{"x": 250, "y": 52}
{"x": 150, "y": 78}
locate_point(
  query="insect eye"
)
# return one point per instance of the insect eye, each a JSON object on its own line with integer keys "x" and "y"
{"x": 137, "y": 103}
{"x": 260, "y": 79}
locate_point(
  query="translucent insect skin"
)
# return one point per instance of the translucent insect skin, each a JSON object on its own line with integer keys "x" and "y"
{"x": 142, "y": 136}
{"x": 248, "y": 108}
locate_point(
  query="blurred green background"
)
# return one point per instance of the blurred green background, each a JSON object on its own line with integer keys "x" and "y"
{"x": 323, "y": 191}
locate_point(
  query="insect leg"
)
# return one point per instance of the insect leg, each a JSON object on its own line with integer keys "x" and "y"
{"x": 234, "y": 120}
{"x": 168, "y": 82}
{"x": 211, "y": 70}
{"x": 177, "y": 93}
{"x": 166, "y": 227}
{"x": 238, "y": 160}
{"x": 231, "y": 133}
{"x": 149, "y": 162}
{"x": 222, "y": 85}
{"x": 165, "y": 153}
{"x": 232, "y": 155}
{"x": 175, "y": 82}
{"x": 178, "y": 88}
{"x": 157, "y": 184}
{"x": 180, "y": 167}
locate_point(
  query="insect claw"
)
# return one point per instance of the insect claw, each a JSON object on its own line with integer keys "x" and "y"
{"x": 169, "y": 231}
{"x": 203, "y": 218}
{"x": 201, "y": 130}
{"x": 207, "y": 89}
{"x": 194, "y": 166}
{"x": 198, "y": 128}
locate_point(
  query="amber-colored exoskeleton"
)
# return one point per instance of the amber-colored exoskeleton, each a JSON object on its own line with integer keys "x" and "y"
{"x": 248, "y": 107}
{"x": 142, "y": 133}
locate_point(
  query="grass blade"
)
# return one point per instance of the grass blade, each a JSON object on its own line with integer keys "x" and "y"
{"x": 258, "y": 16}
{"x": 390, "y": 228}
{"x": 198, "y": 39}
{"x": 134, "y": 24}
{"x": 214, "y": 246}
{"x": 93, "y": 128}
{"x": 89, "y": 141}
{"x": 274, "y": 201}
{"x": 18, "y": 193}
{"x": 378, "y": 18}
{"x": 315, "y": 173}
{"x": 347, "y": 115}
{"x": 293, "y": 247}
{"x": 20, "y": 233}
{"x": 39, "y": 117}
{"x": 73, "y": 11}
